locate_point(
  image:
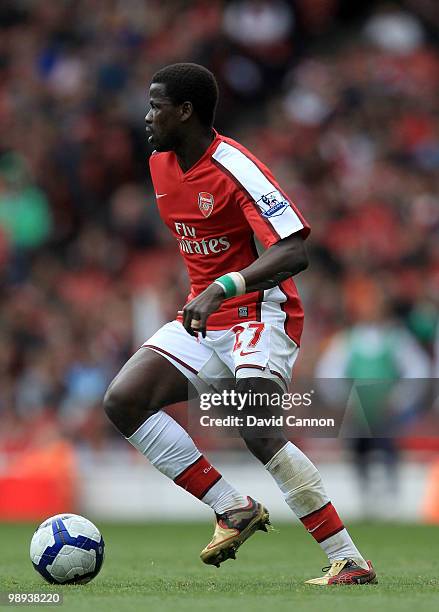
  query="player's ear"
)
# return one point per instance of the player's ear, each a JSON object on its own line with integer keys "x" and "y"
{"x": 187, "y": 109}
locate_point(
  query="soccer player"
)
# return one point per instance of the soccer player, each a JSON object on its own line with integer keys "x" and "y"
{"x": 242, "y": 319}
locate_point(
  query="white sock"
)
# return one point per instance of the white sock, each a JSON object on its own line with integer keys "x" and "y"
{"x": 166, "y": 444}
{"x": 222, "y": 497}
{"x": 172, "y": 451}
{"x": 298, "y": 479}
{"x": 341, "y": 546}
{"x": 303, "y": 490}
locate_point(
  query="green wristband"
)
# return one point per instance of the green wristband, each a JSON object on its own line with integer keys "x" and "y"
{"x": 228, "y": 285}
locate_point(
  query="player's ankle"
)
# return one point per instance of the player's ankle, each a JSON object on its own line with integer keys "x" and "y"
{"x": 236, "y": 504}
{"x": 361, "y": 562}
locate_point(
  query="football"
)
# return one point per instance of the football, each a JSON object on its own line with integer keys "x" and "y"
{"x": 67, "y": 549}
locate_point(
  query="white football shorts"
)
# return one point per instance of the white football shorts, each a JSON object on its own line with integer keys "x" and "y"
{"x": 250, "y": 349}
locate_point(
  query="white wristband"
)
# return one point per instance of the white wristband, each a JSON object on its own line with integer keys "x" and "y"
{"x": 232, "y": 283}
{"x": 239, "y": 281}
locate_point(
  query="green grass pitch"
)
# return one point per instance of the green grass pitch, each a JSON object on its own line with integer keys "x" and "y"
{"x": 156, "y": 567}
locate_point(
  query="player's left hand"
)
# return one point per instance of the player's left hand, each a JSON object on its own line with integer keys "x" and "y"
{"x": 197, "y": 311}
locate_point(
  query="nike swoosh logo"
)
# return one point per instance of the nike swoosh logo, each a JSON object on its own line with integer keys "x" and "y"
{"x": 160, "y": 195}
{"x": 317, "y": 526}
{"x": 244, "y": 353}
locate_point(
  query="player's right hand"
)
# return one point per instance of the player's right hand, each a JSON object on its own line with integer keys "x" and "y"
{"x": 197, "y": 311}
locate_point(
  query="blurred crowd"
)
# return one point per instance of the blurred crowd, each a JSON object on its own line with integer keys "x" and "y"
{"x": 340, "y": 101}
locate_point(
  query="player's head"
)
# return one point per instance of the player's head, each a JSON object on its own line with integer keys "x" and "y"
{"x": 182, "y": 96}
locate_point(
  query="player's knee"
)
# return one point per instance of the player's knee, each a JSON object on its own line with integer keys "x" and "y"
{"x": 121, "y": 403}
{"x": 113, "y": 402}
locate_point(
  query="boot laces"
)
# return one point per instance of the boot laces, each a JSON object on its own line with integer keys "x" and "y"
{"x": 336, "y": 567}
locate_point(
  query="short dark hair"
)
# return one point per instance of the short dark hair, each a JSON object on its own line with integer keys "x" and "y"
{"x": 187, "y": 82}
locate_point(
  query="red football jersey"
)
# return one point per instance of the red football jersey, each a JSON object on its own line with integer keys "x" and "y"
{"x": 215, "y": 210}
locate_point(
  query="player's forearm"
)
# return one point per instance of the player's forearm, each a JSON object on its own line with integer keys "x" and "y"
{"x": 284, "y": 259}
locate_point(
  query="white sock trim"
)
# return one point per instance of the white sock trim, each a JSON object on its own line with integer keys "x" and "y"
{"x": 273, "y": 459}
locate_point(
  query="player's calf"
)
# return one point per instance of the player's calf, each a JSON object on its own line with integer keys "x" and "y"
{"x": 262, "y": 441}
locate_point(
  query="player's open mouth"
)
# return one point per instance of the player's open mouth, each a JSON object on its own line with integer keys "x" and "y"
{"x": 149, "y": 134}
